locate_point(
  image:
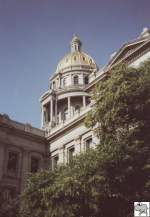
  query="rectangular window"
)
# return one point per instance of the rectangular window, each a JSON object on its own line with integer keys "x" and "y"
{"x": 12, "y": 165}
{"x": 34, "y": 164}
{"x": 70, "y": 154}
{"x": 88, "y": 143}
{"x": 9, "y": 193}
{"x": 55, "y": 161}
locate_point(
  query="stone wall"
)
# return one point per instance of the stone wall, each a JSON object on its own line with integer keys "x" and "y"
{"x": 23, "y": 149}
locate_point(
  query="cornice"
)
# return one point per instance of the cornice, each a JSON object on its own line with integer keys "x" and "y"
{"x": 70, "y": 89}
{"x": 72, "y": 69}
{"x": 130, "y": 55}
{"x": 65, "y": 128}
{"x": 12, "y": 130}
{"x": 127, "y": 59}
{"x": 128, "y": 45}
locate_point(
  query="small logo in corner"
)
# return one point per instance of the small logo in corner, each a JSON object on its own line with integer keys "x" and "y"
{"x": 142, "y": 209}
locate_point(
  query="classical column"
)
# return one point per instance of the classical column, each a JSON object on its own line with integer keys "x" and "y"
{"x": 59, "y": 81}
{"x": 60, "y": 119}
{"x": 2, "y": 159}
{"x": 61, "y": 155}
{"x": 25, "y": 169}
{"x": 69, "y": 106}
{"x": 56, "y": 119}
{"x": 42, "y": 116}
{"x": 71, "y": 114}
{"x": 84, "y": 101}
{"x": 51, "y": 110}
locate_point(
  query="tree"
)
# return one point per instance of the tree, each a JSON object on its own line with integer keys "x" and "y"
{"x": 122, "y": 105}
{"x": 66, "y": 191}
{"x": 105, "y": 181}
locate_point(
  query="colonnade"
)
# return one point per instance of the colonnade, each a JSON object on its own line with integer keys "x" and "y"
{"x": 50, "y": 110}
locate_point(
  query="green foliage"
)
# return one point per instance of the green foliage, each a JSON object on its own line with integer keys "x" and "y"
{"x": 66, "y": 191}
{"x": 122, "y": 105}
{"x": 105, "y": 181}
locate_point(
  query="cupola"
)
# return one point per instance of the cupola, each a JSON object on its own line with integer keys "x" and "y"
{"x": 76, "y": 59}
{"x": 75, "y": 44}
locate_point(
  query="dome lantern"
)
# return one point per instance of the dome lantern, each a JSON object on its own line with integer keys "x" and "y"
{"x": 75, "y": 43}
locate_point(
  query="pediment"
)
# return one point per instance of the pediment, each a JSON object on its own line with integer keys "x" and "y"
{"x": 126, "y": 50}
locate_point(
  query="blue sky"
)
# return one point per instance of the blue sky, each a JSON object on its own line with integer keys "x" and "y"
{"x": 35, "y": 35}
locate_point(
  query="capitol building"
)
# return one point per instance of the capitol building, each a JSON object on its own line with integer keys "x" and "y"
{"x": 66, "y": 103}
{"x": 64, "y": 106}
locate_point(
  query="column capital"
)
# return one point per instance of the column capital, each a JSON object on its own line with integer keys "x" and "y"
{"x": 51, "y": 110}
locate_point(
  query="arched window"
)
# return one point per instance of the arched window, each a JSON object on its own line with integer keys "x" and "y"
{"x": 54, "y": 84}
{"x": 86, "y": 80}
{"x": 76, "y": 79}
{"x": 65, "y": 114}
{"x": 77, "y": 109}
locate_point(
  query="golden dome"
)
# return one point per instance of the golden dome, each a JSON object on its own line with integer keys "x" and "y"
{"x": 76, "y": 59}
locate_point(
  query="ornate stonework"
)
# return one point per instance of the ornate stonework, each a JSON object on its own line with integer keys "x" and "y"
{"x": 64, "y": 106}
{"x": 23, "y": 149}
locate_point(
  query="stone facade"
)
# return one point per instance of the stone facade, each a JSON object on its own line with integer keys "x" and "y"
{"x": 22, "y": 150}
{"x": 66, "y": 103}
{"x": 25, "y": 149}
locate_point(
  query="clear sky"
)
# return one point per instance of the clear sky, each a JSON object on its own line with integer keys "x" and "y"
{"x": 35, "y": 35}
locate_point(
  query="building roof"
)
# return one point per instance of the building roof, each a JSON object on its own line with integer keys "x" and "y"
{"x": 130, "y": 47}
{"x": 76, "y": 58}
{"x": 5, "y": 121}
